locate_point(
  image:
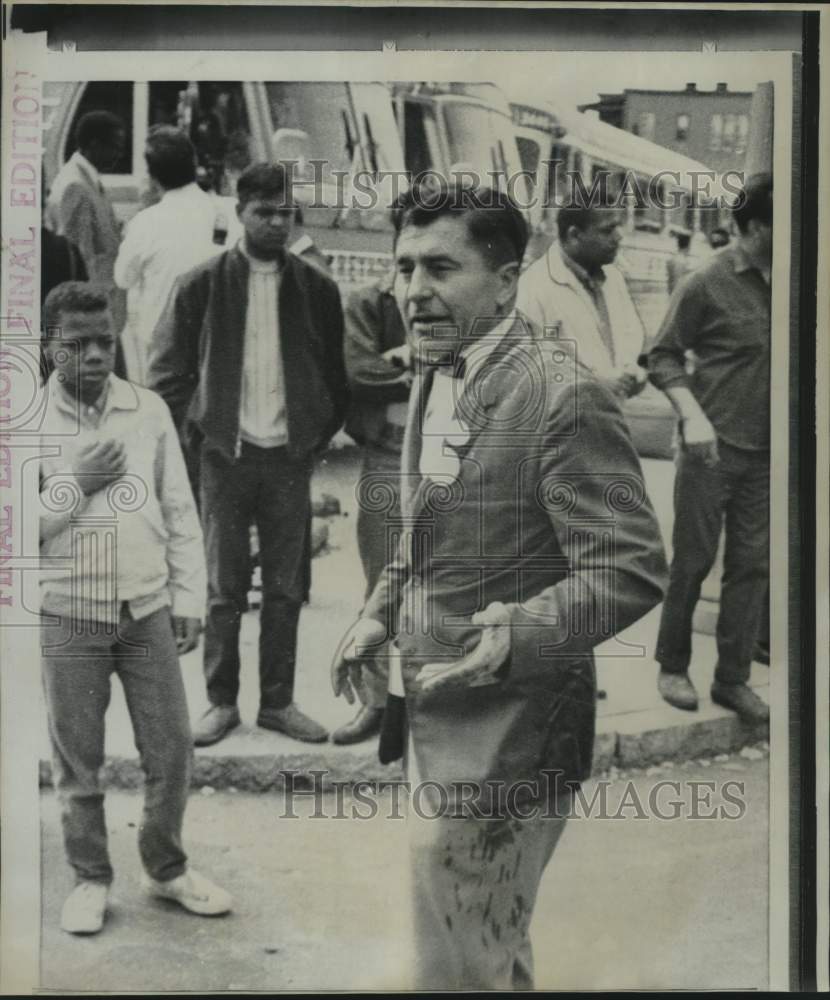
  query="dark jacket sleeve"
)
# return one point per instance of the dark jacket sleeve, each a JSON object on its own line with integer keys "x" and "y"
{"x": 334, "y": 369}
{"x": 681, "y": 327}
{"x": 174, "y": 352}
{"x": 372, "y": 378}
{"x": 592, "y": 488}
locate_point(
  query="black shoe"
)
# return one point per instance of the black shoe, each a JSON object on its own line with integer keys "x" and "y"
{"x": 215, "y": 725}
{"x": 365, "y": 724}
{"x": 294, "y": 723}
{"x": 742, "y": 700}
{"x": 677, "y": 690}
{"x": 761, "y": 654}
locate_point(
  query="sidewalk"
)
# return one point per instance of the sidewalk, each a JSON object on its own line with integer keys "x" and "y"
{"x": 635, "y": 727}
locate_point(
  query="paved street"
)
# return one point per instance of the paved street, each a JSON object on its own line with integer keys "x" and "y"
{"x": 321, "y": 903}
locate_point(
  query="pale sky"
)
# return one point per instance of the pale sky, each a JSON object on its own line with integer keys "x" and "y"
{"x": 579, "y": 79}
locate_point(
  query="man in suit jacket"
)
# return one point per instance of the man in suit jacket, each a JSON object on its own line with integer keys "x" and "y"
{"x": 526, "y": 539}
{"x": 576, "y": 290}
{"x": 249, "y": 357}
{"x": 79, "y": 209}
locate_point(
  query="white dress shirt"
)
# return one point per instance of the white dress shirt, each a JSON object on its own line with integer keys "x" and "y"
{"x": 262, "y": 416}
{"x": 443, "y": 429}
{"x": 160, "y": 243}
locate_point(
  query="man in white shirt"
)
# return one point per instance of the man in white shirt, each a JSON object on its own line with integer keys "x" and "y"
{"x": 576, "y": 290}
{"x": 163, "y": 241}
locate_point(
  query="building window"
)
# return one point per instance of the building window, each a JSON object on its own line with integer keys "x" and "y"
{"x": 730, "y": 123}
{"x": 682, "y": 129}
{"x": 644, "y": 126}
{"x": 716, "y": 133}
{"x": 743, "y": 132}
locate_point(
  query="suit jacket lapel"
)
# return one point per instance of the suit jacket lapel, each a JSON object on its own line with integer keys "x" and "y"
{"x": 491, "y": 383}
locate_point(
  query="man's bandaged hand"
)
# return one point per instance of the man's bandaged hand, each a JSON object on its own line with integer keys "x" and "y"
{"x": 477, "y": 668}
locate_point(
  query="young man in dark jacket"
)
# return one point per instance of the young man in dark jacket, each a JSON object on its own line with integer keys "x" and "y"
{"x": 249, "y": 357}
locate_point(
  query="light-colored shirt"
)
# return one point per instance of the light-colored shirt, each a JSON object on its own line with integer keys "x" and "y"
{"x": 444, "y": 429}
{"x": 138, "y": 540}
{"x": 598, "y": 318}
{"x": 262, "y": 417}
{"x": 161, "y": 242}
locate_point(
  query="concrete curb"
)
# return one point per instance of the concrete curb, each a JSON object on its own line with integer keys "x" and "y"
{"x": 653, "y": 742}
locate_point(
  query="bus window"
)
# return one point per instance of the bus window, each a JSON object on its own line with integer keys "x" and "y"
{"x": 529, "y": 153}
{"x": 419, "y": 152}
{"x": 215, "y": 117}
{"x": 117, "y": 98}
{"x": 376, "y": 122}
{"x": 476, "y": 136}
{"x": 323, "y": 112}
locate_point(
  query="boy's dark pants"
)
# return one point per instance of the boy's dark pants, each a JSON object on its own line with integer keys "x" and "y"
{"x": 78, "y": 659}
{"x": 270, "y": 488}
{"x": 734, "y": 494}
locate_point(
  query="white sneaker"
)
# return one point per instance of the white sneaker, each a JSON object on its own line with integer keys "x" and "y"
{"x": 85, "y": 908}
{"x": 192, "y": 891}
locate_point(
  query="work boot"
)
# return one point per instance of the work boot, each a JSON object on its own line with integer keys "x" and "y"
{"x": 677, "y": 690}
{"x": 365, "y": 724}
{"x": 294, "y": 723}
{"x": 215, "y": 724}
{"x": 742, "y": 700}
{"x": 192, "y": 891}
{"x": 85, "y": 908}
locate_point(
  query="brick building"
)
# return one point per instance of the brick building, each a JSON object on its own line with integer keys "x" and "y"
{"x": 711, "y": 126}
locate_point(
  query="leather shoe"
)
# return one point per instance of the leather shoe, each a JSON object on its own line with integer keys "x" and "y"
{"x": 742, "y": 700}
{"x": 294, "y": 723}
{"x": 365, "y": 724}
{"x": 761, "y": 654}
{"x": 215, "y": 724}
{"x": 677, "y": 690}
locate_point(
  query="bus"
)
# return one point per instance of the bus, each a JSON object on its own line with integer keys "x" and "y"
{"x": 330, "y": 131}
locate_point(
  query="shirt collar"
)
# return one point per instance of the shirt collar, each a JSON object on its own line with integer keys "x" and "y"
{"x": 86, "y": 166}
{"x": 117, "y": 395}
{"x": 589, "y": 280}
{"x": 741, "y": 262}
{"x": 256, "y": 265}
{"x": 186, "y": 191}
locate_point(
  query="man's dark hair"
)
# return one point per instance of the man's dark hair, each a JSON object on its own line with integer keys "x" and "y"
{"x": 170, "y": 156}
{"x": 264, "y": 180}
{"x": 755, "y": 203}
{"x": 494, "y": 223}
{"x": 683, "y": 240}
{"x": 73, "y": 297}
{"x": 100, "y": 125}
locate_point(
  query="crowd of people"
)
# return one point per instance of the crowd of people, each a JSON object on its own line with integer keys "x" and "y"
{"x": 225, "y": 370}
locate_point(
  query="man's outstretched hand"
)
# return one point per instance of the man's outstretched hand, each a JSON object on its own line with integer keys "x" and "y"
{"x": 346, "y": 666}
{"x": 479, "y": 667}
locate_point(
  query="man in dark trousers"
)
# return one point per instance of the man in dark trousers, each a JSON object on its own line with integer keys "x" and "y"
{"x": 378, "y": 368}
{"x": 527, "y": 538}
{"x": 249, "y": 357}
{"x": 722, "y": 313}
